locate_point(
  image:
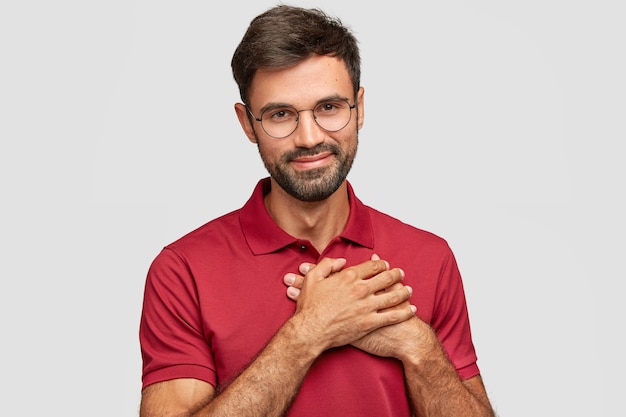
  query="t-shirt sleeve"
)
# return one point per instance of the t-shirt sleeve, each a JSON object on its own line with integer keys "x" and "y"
{"x": 172, "y": 339}
{"x": 451, "y": 321}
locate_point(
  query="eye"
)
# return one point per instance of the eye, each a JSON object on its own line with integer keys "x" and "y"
{"x": 281, "y": 114}
{"x": 329, "y": 107}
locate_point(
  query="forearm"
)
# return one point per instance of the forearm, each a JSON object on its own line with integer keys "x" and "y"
{"x": 435, "y": 389}
{"x": 269, "y": 385}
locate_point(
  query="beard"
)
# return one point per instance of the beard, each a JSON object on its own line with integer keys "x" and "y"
{"x": 314, "y": 184}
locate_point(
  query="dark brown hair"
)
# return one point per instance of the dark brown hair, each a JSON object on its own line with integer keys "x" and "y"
{"x": 284, "y": 35}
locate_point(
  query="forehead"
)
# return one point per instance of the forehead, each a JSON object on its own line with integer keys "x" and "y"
{"x": 303, "y": 84}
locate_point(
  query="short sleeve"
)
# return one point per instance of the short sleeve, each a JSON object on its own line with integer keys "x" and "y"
{"x": 173, "y": 344}
{"x": 451, "y": 320}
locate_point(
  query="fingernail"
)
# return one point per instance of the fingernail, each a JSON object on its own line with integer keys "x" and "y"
{"x": 293, "y": 292}
{"x": 409, "y": 289}
{"x": 413, "y": 309}
{"x": 290, "y": 279}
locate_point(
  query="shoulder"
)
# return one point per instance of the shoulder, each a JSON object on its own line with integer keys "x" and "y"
{"x": 212, "y": 234}
{"x": 391, "y": 228}
{"x": 196, "y": 251}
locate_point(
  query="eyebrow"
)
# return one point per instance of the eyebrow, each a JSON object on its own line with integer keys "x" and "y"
{"x": 276, "y": 105}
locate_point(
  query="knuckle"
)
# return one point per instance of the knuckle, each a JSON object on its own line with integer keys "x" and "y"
{"x": 351, "y": 273}
{"x": 360, "y": 290}
{"x": 369, "y": 323}
{"x": 389, "y": 278}
{"x": 395, "y": 316}
{"x": 385, "y": 281}
{"x": 377, "y": 266}
{"x": 397, "y": 275}
{"x": 394, "y": 298}
{"x": 404, "y": 293}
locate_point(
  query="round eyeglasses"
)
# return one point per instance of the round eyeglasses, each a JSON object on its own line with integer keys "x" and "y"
{"x": 282, "y": 120}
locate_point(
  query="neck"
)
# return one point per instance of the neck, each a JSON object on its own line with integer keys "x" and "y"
{"x": 318, "y": 222}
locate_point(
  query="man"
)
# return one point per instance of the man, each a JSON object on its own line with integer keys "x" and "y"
{"x": 305, "y": 302}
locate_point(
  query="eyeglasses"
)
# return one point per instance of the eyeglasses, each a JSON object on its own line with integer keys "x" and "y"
{"x": 281, "y": 121}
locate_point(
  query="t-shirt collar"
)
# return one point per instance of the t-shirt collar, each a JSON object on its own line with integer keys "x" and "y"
{"x": 264, "y": 236}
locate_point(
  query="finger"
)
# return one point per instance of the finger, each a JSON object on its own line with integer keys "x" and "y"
{"x": 392, "y": 298}
{"x": 366, "y": 270}
{"x": 305, "y": 267}
{"x": 293, "y": 293}
{"x": 396, "y": 286}
{"x": 391, "y": 316}
{"x": 401, "y": 306}
{"x": 385, "y": 280}
{"x": 326, "y": 267}
{"x": 293, "y": 280}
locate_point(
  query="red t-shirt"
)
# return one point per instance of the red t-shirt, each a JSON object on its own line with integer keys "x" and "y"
{"x": 215, "y": 297}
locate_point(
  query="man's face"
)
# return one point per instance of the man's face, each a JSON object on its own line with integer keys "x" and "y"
{"x": 311, "y": 163}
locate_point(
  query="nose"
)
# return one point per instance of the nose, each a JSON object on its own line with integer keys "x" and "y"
{"x": 308, "y": 133}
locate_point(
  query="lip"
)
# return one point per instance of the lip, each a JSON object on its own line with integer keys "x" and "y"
{"x": 311, "y": 162}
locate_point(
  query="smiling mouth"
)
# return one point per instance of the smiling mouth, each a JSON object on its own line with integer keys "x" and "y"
{"x": 313, "y": 161}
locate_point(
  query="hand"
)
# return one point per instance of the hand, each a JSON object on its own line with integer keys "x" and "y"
{"x": 340, "y": 306}
{"x": 388, "y": 341}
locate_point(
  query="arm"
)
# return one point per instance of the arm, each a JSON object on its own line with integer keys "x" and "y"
{"x": 266, "y": 387}
{"x": 434, "y": 388}
{"x": 433, "y": 385}
{"x": 331, "y": 312}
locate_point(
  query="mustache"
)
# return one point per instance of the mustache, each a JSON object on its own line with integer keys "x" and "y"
{"x": 317, "y": 149}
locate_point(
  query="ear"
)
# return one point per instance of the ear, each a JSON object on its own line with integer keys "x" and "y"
{"x": 360, "y": 107}
{"x": 244, "y": 121}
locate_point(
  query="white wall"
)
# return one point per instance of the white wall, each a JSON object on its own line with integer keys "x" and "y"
{"x": 497, "y": 125}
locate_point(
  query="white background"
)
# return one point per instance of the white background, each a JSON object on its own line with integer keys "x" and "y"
{"x": 498, "y": 125}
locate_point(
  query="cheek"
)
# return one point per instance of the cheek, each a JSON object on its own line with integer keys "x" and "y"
{"x": 348, "y": 142}
{"x": 269, "y": 153}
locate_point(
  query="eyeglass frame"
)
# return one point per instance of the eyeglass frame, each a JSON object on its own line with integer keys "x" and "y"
{"x": 260, "y": 119}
